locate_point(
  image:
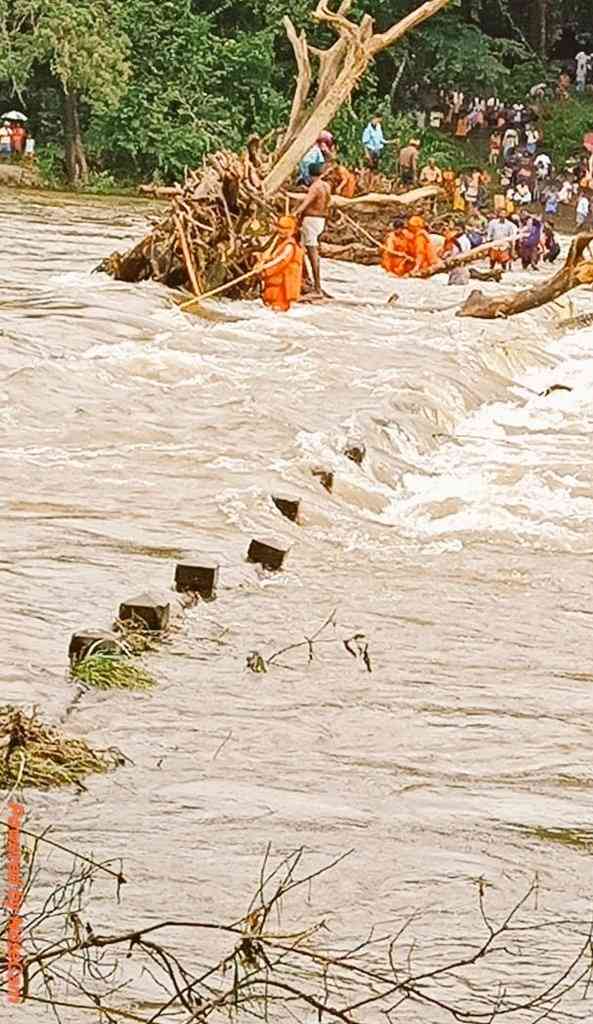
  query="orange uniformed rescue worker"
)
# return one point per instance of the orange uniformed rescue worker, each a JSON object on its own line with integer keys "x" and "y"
{"x": 397, "y": 258}
{"x": 422, "y": 250}
{"x": 282, "y": 271}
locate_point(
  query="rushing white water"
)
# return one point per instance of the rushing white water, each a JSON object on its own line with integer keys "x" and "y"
{"x": 131, "y": 434}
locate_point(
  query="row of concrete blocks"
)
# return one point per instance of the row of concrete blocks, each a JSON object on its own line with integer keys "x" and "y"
{"x": 197, "y": 578}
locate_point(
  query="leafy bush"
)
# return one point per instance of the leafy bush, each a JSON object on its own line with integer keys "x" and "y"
{"x": 50, "y": 162}
{"x": 564, "y": 127}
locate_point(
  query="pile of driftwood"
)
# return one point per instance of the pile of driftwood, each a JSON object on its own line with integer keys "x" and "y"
{"x": 223, "y": 217}
{"x": 215, "y": 225}
{"x": 220, "y": 220}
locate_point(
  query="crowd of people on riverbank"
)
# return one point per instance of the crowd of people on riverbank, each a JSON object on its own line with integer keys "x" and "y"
{"x": 506, "y": 209}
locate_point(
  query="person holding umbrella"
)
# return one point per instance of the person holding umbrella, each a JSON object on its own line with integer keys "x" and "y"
{"x": 14, "y": 120}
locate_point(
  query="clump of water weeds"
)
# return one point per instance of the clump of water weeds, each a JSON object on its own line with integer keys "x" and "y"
{"x": 38, "y": 755}
{"x": 135, "y": 639}
{"x": 112, "y": 672}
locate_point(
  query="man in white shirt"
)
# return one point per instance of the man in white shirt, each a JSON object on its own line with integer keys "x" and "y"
{"x": 582, "y": 60}
{"x": 583, "y": 207}
{"x": 501, "y": 230}
{"x": 566, "y": 192}
{"x": 543, "y": 166}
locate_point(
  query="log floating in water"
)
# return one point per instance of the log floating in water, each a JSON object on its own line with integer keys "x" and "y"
{"x": 577, "y": 271}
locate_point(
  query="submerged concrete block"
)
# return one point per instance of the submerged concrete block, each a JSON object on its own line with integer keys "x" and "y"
{"x": 356, "y": 452}
{"x": 91, "y": 641}
{"x": 325, "y": 477}
{"x": 268, "y": 553}
{"x": 288, "y": 506}
{"x": 149, "y": 611}
{"x": 197, "y": 577}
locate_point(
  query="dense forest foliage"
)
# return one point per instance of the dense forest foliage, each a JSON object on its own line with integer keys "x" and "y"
{"x": 138, "y": 89}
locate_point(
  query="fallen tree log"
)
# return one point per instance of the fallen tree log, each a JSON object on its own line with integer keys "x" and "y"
{"x": 464, "y": 258}
{"x": 415, "y": 195}
{"x": 372, "y": 200}
{"x": 577, "y": 271}
{"x": 486, "y": 275}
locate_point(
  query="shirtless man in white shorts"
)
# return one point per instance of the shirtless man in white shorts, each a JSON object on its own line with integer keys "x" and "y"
{"x": 312, "y": 214}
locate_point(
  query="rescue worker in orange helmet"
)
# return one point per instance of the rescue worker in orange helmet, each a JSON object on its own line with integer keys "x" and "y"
{"x": 397, "y": 252}
{"x": 422, "y": 250}
{"x": 282, "y": 269}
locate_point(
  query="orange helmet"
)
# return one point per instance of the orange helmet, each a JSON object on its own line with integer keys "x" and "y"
{"x": 416, "y": 223}
{"x": 287, "y": 225}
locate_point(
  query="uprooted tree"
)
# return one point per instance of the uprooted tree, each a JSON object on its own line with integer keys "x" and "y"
{"x": 189, "y": 969}
{"x": 222, "y": 215}
{"x": 577, "y": 271}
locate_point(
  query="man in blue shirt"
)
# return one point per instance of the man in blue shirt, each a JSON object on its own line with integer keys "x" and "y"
{"x": 314, "y": 158}
{"x": 373, "y": 141}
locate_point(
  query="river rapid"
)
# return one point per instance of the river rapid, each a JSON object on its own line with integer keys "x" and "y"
{"x": 132, "y": 435}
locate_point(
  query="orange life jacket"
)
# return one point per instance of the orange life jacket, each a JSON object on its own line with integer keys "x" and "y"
{"x": 423, "y": 250}
{"x": 282, "y": 283}
{"x": 399, "y": 260}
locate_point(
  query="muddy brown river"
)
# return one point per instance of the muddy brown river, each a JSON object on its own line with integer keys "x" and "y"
{"x": 132, "y": 435}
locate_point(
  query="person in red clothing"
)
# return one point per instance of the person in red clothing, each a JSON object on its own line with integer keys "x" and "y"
{"x": 282, "y": 270}
{"x": 19, "y": 138}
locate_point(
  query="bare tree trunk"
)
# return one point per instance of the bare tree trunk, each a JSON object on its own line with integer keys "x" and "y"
{"x": 340, "y": 70}
{"x": 228, "y": 208}
{"x": 76, "y": 163}
{"x": 538, "y": 26}
{"x": 576, "y": 271}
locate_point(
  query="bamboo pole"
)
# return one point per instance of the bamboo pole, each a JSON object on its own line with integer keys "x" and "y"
{"x": 222, "y": 288}
{"x": 267, "y": 253}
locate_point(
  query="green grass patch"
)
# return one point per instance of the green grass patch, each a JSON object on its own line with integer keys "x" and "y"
{"x": 104, "y": 672}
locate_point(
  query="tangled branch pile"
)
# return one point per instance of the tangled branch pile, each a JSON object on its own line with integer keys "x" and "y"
{"x": 526, "y": 966}
{"x": 215, "y": 225}
{"x": 222, "y": 217}
{"x": 37, "y": 755}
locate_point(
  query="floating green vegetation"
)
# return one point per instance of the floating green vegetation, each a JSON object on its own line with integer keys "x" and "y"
{"x": 38, "y": 755}
{"x": 105, "y": 672}
{"x": 578, "y": 838}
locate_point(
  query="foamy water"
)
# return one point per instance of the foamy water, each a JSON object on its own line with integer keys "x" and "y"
{"x": 131, "y": 435}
